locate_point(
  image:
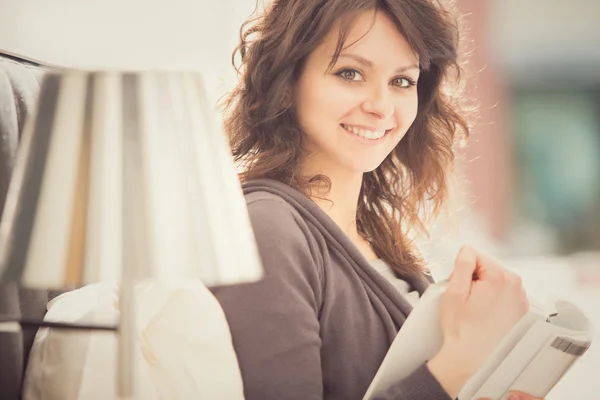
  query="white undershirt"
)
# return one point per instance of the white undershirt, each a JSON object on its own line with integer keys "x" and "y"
{"x": 403, "y": 287}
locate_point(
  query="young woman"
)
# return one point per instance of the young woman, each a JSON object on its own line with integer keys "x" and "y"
{"x": 344, "y": 121}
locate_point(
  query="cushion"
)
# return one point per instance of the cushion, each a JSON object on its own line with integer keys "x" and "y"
{"x": 184, "y": 348}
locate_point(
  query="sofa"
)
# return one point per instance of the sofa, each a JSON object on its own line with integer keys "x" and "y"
{"x": 19, "y": 87}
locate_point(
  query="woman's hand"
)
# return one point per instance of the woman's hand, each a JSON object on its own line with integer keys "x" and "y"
{"x": 519, "y": 396}
{"x": 483, "y": 301}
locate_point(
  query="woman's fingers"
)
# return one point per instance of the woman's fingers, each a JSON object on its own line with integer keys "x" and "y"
{"x": 483, "y": 266}
{"x": 488, "y": 267}
{"x": 462, "y": 276}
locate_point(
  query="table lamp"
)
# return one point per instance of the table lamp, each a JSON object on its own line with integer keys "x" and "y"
{"x": 123, "y": 177}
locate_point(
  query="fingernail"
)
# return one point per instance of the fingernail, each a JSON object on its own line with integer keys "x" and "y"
{"x": 514, "y": 396}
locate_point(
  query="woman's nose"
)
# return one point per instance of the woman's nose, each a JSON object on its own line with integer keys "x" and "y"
{"x": 379, "y": 104}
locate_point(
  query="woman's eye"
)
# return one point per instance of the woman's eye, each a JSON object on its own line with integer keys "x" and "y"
{"x": 350, "y": 75}
{"x": 404, "y": 83}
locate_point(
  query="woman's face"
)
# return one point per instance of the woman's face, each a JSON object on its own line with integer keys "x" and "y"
{"x": 355, "y": 114}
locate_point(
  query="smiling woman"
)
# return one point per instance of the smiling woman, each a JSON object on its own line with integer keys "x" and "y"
{"x": 344, "y": 122}
{"x": 329, "y": 89}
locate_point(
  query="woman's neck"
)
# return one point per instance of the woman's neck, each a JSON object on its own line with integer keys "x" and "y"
{"x": 340, "y": 203}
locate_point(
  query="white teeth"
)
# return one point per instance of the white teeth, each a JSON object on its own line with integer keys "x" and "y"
{"x": 365, "y": 133}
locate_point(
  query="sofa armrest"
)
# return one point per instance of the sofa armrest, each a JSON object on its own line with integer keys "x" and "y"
{"x": 19, "y": 88}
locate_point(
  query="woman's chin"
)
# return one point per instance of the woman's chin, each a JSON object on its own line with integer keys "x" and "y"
{"x": 366, "y": 166}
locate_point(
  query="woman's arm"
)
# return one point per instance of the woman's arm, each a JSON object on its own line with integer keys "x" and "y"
{"x": 273, "y": 322}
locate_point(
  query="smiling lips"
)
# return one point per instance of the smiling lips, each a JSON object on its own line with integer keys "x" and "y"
{"x": 365, "y": 133}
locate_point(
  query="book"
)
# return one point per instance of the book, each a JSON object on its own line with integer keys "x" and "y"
{"x": 532, "y": 357}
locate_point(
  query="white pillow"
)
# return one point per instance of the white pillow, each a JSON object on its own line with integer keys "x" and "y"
{"x": 184, "y": 351}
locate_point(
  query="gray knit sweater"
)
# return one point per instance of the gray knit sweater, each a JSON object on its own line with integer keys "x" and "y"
{"x": 319, "y": 324}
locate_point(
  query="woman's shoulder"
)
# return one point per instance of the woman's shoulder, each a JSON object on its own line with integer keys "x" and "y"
{"x": 272, "y": 215}
{"x": 287, "y": 243}
{"x": 261, "y": 199}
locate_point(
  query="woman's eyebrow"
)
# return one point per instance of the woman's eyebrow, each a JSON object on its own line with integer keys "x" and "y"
{"x": 368, "y": 63}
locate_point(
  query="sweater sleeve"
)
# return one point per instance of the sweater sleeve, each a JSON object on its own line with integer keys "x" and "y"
{"x": 274, "y": 322}
{"x": 420, "y": 385}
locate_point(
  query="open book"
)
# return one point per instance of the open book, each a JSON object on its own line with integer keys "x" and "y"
{"x": 531, "y": 358}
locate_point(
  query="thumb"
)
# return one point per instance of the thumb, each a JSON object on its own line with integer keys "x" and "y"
{"x": 462, "y": 276}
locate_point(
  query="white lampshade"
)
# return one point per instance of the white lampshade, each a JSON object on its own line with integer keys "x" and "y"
{"x": 125, "y": 174}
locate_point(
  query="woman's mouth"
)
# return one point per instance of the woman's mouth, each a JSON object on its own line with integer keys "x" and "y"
{"x": 365, "y": 133}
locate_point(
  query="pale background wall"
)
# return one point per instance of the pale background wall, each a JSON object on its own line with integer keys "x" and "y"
{"x": 126, "y": 34}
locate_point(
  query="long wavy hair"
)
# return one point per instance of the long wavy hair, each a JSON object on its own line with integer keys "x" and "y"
{"x": 267, "y": 141}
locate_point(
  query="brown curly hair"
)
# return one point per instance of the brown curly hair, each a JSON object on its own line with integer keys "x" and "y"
{"x": 266, "y": 139}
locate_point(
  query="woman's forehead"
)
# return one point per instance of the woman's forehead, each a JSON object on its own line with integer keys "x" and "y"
{"x": 371, "y": 35}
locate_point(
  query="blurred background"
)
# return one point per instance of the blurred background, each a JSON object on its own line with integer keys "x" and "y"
{"x": 528, "y": 190}
{"x": 534, "y": 164}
